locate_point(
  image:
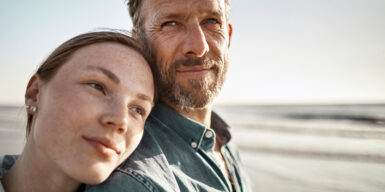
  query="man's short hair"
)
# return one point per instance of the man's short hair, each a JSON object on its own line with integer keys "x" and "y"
{"x": 134, "y": 8}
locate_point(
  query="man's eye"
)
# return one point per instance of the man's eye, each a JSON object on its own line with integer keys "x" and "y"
{"x": 211, "y": 21}
{"x": 169, "y": 23}
{"x": 138, "y": 110}
{"x": 98, "y": 87}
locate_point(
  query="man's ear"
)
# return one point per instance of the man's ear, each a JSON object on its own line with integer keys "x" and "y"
{"x": 32, "y": 91}
{"x": 230, "y": 33}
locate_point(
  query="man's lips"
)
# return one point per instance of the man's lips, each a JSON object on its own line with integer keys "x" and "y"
{"x": 103, "y": 145}
{"x": 195, "y": 70}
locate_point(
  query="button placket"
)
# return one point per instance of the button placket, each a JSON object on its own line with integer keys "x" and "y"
{"x": 208, "y": 134}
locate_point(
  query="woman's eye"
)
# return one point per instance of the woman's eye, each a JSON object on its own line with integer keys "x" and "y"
{"x": 138, "y": 110}
{"x": 98, "y": 87}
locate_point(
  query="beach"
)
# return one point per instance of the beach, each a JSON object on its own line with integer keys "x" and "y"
{"x": 286, "y": 148}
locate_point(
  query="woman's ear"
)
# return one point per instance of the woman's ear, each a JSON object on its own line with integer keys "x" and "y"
{"x": 32, "y": 92}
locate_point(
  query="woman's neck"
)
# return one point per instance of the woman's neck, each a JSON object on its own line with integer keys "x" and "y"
{"x": 34, "y": 172}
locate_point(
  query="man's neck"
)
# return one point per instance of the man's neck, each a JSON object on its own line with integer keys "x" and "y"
{"x": 201, "y": 115}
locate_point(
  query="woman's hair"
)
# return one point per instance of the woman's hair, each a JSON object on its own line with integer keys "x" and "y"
{"x": 64, "y": 52}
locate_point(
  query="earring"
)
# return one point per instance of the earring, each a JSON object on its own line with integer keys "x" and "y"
{"x": 31, "y": 108}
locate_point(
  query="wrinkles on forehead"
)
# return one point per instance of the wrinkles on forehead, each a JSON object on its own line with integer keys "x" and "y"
{"x": 138, "y": 16}
{"x": 154, "y": 10}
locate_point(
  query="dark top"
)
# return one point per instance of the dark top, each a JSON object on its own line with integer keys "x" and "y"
{"x": 6, "y": 162}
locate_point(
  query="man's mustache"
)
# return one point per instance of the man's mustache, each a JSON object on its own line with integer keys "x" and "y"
{"x": 205, "y": 62}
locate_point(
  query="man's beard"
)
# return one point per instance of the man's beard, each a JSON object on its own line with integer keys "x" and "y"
{"x": 200, "y": 92}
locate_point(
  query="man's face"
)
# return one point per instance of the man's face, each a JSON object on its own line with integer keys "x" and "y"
{"x": 189, "y": 42}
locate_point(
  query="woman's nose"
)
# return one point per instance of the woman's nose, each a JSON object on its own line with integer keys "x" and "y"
{"x": 116, "y": 117}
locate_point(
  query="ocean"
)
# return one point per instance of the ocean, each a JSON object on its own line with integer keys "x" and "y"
{"x": 295, "y": 148}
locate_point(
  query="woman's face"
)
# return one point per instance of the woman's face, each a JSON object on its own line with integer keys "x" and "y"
{"x": 91, "y": 114}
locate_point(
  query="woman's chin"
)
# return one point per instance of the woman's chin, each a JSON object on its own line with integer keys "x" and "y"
{"x": 96, "y": 178}
{"x": 94, "y": 175}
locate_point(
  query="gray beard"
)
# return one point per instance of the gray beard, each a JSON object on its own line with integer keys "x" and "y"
{"x": 201, "y": 92}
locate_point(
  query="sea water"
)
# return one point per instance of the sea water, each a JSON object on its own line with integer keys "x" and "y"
{"x": 286, "y": 148}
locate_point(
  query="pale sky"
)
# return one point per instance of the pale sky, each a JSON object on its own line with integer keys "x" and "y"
{"x": 282, "y": 51}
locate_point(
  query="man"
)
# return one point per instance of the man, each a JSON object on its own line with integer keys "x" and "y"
{"x": 185, "y": 147}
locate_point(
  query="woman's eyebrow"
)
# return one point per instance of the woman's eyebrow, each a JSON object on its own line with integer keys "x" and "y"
{"x": 145, "y": 97}
{"x": 106, "y": 72}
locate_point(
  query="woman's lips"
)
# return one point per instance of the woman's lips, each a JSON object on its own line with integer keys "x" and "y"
{"x": 104, "y": 146}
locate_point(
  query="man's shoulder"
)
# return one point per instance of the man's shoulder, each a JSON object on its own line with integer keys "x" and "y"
{"x": 146, "y": 169}
{"x": 123, "y": 179}
{"x": 119, "y": 181}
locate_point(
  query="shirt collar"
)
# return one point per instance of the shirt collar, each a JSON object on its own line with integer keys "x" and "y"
{"x": 221, "y": 128}
{"x": 194, "y": 133}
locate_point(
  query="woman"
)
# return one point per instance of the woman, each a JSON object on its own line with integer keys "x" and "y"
{"x": 86, "y": 105}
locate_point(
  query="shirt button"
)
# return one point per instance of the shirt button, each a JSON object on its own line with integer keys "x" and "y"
{"x": 194, "y": 144}
{"x": 209, "y": 134}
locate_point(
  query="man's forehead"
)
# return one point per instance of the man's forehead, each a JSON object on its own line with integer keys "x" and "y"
{"x": 169, "y": 7}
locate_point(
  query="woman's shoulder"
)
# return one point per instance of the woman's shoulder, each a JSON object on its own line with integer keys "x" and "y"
{"x": 6, "y": 162}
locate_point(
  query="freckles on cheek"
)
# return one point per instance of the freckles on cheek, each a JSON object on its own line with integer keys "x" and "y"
{"x": 72, "y": 105}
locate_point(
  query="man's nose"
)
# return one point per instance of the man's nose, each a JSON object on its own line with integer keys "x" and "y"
{"x": 116, "y": 117}
{"x": 195, "y": 44}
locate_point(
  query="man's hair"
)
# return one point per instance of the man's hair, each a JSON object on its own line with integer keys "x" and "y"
{"x": 134, "y": 8}
{"x": 63, "y": 53}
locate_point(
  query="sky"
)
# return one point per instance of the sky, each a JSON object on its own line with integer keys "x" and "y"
{"x": 282, "y": 51}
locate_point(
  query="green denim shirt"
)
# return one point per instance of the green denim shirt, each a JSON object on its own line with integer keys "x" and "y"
{"x": 176, "y": 155}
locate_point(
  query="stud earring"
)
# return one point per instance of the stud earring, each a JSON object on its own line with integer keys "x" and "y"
{"x": 31, "y": 108}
